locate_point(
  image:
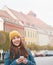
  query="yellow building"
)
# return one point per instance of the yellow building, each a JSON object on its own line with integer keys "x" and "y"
{"x": 30, "y": 35}
{"x": 30, "y": 26}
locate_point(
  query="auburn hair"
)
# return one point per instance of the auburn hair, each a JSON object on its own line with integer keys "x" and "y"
{"x": 14, "y": 50}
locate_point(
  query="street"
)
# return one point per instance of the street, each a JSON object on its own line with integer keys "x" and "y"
{"x": 43, "y": 60}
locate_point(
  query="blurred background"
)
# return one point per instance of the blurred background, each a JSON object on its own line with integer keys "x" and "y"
{"x": 34, "y": 20}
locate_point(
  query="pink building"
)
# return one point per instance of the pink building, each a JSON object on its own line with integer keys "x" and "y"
{"x": 13, "y": 20}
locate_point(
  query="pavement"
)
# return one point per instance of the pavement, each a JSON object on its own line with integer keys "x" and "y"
{"x": 43, "y": 60}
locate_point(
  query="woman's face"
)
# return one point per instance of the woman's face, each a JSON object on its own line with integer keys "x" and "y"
{"x": 16, "y": 41}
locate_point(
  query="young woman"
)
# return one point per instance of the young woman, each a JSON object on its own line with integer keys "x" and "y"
{"x": 18, "y": 54}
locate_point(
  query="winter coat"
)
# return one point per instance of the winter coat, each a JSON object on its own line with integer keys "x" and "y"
{"x": 7, "y": 60}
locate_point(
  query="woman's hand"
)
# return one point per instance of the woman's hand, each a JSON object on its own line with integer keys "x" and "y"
{"x": 21, "y": 59}
{"x": 18, "y": 61}
{"x": 24, "y": 60}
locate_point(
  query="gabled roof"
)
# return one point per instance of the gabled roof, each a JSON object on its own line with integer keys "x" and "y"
{"x": 37, "y": 21}
{"x": 5, "y": 14}
{"x": 20, "y": 16}
{"x": 29, "y": 19}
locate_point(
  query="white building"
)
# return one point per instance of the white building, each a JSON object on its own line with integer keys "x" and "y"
{"x": 1, "y": 24}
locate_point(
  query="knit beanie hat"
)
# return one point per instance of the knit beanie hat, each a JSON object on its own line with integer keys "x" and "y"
{"x": 12, "y": 34}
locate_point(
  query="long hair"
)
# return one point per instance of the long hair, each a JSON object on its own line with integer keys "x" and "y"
{"x": 14, "y": 50}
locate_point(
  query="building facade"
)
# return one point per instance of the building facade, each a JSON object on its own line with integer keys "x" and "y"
{"x": 32, "y": 28}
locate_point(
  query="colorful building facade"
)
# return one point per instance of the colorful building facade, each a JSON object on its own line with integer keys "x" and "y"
{"x": 32, "y": 28}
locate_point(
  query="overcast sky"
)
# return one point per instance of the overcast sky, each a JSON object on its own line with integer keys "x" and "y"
{"x": 42, "y": 8}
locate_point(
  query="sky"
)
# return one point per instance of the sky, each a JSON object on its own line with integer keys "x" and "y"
{"x": 42, "y": 8}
